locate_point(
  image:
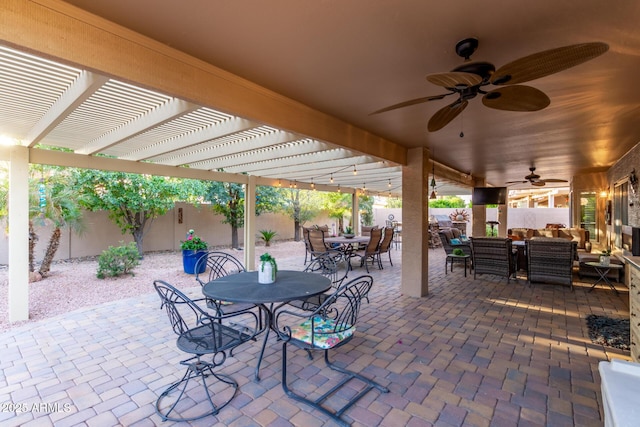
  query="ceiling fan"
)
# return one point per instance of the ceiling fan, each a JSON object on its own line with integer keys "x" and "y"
{"x": 534, "y": 179}
{"x": 470, "y": 79}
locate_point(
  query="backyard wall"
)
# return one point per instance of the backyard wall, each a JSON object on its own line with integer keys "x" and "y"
{"x": 165, "y": 234}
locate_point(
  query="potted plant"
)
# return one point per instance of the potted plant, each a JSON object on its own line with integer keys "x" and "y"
{"x": 348, "y": 232}
{"x": 267, "y": 236}
{"x": 193, "y": 248}
{"x": 268, "y": 269}
{"x": 605, "y": 257}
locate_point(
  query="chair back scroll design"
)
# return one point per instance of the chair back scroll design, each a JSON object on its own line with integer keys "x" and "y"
{"x": 202, "y": 333}
{"x": 219, "y": 264}
{"x": 327, "y": 266}
{"x": 330, "y": 326}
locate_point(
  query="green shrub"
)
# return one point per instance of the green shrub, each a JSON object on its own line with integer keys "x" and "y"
{"x": 119, "y": 260}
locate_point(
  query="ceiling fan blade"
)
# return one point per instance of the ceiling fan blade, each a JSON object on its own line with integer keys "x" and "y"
{"x": 443, "y": 116}
{"x": 516, "y": 182}
{"x": 553, "y": 180}
{"x": 455, "y": 79}
{"x": 411, "y": 102}
{"x": 547, "y": 62}
{"x": 516, "y": 98}
{"x": 538, "y": 183}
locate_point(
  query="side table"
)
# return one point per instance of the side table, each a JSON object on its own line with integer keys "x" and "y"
{"x": 603, "y": 270}
{"x": 457, "y": 258}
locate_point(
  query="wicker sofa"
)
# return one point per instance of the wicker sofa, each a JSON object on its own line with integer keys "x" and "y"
{"x": 583, "y": 248}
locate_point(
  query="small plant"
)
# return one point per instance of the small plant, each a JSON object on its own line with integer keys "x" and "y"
{"x": 193, "y": 242}
{"x": 267, "y": 236}
{"x": 458, "y": 251}
{"x": 118, "y": 260}
{"x": 268, "y": 259}
{"x": 606, "y": 252}
{"x": 348, "y": 230}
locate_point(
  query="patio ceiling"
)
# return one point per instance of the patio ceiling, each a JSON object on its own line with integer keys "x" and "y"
{"x": 337, "y": 62}
{"x": 48, "y": 103}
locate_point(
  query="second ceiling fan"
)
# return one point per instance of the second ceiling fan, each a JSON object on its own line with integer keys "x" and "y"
{"x": 534, "y": 179}
{"x": 470, "y": 79}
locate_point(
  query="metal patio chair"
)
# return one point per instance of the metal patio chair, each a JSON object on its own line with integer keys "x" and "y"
{"x": 329, "y": 327}
{"x": 201, "y": 333}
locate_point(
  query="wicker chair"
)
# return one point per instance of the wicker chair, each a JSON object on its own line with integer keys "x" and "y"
{"x": 493, "y": 255}
{"x": 550, "y": 260}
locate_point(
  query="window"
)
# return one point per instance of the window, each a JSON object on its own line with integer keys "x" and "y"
{"x": 620, "y": 211}
{"x": 588, "y": 213}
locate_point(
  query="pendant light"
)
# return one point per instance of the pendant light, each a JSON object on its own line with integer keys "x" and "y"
{"x": 433, "y": 181}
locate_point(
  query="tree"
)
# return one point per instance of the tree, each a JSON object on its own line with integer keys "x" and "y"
{"x": 227, "y": 199}
{"x": 447, "y": 202}
{"x": 366, "y": 210}
{"x": 57, "y": 204}
{"x": 298, "y": 205}
{"x": 133, "y": 201}
{"x": 338, "y": 205}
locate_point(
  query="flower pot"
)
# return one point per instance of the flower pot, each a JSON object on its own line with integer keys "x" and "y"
{"x": 266, "y": 273}
{"x": 605, "y": 260}
{"x": 189, "y": 260}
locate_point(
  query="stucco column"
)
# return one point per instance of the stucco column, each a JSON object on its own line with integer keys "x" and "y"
{"x": 250, "y": 223}
{"x": 18, "y": 234}
{"x": 355, "y": 213}
{"x": 415, "y": 223}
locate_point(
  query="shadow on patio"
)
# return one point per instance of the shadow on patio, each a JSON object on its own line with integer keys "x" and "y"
{"x": 474, "y": 352}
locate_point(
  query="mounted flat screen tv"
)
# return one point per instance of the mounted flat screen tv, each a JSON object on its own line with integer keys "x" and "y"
{"x": 489, "y": 196}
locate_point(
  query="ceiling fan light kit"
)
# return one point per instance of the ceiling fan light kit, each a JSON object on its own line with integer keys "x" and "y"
{"x": 469, "y": 80}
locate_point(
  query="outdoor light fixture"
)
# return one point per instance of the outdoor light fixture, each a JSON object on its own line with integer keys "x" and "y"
{"x": 433, "y": 181}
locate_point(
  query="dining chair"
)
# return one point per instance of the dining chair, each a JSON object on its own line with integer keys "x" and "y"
{"x": 220, "y": 264}
{"x": 330, "y": 326}
{"x": 370, "y": 251}
{"x": 201, "y": 333}
{"x": 329, "y": 268}
{"x": 388, "y": 235}
{"x": 319, "y": 246}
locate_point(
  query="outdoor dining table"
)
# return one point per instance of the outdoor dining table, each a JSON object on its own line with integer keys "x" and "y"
{"x": 244, "y": 288}
{"x": 349, "y": 245}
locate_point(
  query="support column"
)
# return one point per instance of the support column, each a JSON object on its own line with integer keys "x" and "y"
{"x": 250, "y": 223}
{"x": 18, "y": 294}
{"x": 415, "y": 223}
{"x": 355, "y": 213}
{"x": 479, "y": 225}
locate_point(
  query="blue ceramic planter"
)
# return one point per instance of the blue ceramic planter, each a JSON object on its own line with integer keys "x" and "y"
{"x": 189, "y": 260}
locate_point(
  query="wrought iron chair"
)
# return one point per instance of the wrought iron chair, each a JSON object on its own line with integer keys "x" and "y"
{"x": 370, "y": 251}
{"x": 328, "y": 267}
{"x": 219, "y": 264}
{"x": 201, "y": 333}
{"x": 330, "y": 326}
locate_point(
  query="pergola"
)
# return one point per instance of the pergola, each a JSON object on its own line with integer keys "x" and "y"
{"x": 119, "y": 101}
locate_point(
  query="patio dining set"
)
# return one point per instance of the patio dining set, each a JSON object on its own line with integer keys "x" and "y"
{"x": 315, "y": 310}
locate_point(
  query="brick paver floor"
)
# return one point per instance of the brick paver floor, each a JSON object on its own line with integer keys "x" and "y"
{"x": 472, "y": 353}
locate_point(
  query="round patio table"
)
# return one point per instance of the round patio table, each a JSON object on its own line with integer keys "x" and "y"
{"x": 244, "y": 288}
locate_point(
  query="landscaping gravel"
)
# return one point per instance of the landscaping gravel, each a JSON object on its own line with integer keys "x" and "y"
{"x": 72, "y": 284}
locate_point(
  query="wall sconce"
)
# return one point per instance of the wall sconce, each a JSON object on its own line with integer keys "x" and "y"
{"x": 433, "y": 181}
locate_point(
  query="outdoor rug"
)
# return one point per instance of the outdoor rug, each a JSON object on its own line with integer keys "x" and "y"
{"x": 609, "y": 332}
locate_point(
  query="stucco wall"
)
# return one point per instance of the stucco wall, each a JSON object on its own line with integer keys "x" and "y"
{"x": 165, "y": 233}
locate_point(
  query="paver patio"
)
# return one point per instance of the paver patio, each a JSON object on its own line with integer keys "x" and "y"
{"x": 474, "y": 353}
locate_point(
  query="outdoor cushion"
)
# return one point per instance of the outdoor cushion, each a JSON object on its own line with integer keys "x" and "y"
{"x": 455, "y": 241}
{"x": 323, "y": 336}
{"x": 546, "y": 232}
